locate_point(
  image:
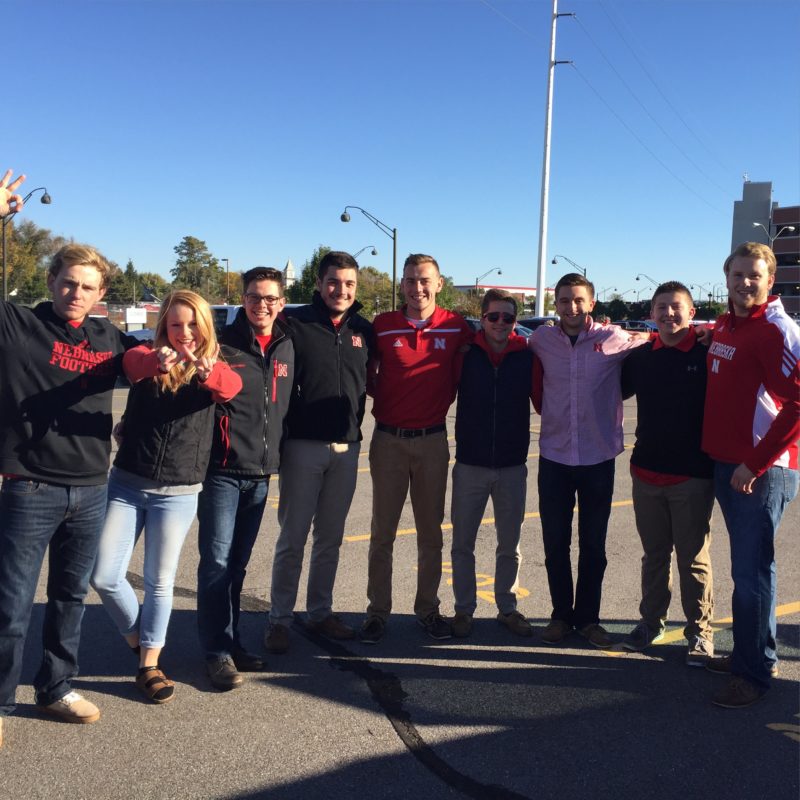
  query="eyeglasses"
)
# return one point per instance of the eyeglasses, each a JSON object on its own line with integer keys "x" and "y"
{"x": 258, "y": 299}
{"x": 493, "y": 316}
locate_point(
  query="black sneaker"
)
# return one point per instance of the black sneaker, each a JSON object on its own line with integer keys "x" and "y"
{"x": 372, "y": 630}
{"x": 436, "y": 626}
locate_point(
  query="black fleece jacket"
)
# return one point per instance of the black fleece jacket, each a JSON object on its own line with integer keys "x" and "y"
{"x": 248, "y": 429}
{"x": 56, "y": 384}
{"x": 330, "y": 377}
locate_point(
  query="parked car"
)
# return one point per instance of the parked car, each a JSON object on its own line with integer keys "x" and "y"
{"x": 223, "y": 315}
{"x": 144, "y": 334}
{"x": 521, "y": 330}
{"x": 532, "y": 323}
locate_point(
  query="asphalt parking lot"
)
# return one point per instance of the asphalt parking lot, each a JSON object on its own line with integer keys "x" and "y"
{"x": 492, "y": 716}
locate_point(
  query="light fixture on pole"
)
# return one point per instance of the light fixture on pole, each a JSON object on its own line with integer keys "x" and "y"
{"x": 581, "y": 269}
{"x": 488, "y": 272}
{"x": 602, "y": 292}
{"x": 391, "y": 233}
{"x": 373, "y": 252}
{"x": 46, "y": 199}
{"x": 772, "y": 238}
{"x": 642, "y": 275}
{"x": 227, "y": 285}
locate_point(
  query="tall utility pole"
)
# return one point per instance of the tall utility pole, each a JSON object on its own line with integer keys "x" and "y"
{"x": 541, "y": 278}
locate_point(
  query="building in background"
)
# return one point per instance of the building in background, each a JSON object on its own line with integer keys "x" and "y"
{"x": 757, "y": 218}
{"x": 289, "y": 278}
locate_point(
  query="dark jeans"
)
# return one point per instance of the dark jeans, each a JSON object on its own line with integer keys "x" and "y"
{"x": 752, "y": 521}
{"x": 229, "y": 512}
{"x": 594, "y": 486}
{"x": 32, "y": 516}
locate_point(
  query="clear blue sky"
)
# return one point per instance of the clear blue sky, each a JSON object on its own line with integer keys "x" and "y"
{"x": 252, "y": 124}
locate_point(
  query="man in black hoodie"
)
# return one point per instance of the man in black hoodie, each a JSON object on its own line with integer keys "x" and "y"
{"x": 246, "y": 451}
{"x": 319, "y": 463}
{"x": 58, "y": 367}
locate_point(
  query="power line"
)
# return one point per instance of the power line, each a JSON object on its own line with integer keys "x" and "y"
{"x": 652, "y": 80}
{"x": 649, "y": 114}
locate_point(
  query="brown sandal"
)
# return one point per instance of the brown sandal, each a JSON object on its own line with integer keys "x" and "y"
{"x": 155, "y": 685}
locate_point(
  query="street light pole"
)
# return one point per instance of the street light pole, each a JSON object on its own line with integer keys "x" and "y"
{"x": 642, "y": 275}
{"x": 227, "y": 285}
{"x": 391, "y": 233}
{"x": 772, "y": 238}
{"x": 481, "y": 277}
{"x": 373, "y": 252}
{"x": 46, "y": 199}
{"x": 607, "y": 289}
{"x": 569, "y": 261}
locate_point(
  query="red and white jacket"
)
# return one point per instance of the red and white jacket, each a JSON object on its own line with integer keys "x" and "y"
{"x": 752, "y": 410}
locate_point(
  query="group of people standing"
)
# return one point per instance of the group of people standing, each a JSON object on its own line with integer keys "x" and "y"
{"x": 208, "y": 421}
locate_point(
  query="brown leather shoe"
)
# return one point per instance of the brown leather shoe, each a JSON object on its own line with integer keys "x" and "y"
{"x": 516, "y": 623}
{"x": 738, "y": 693}
{"x": 332, "y": 627}
{"x": 596, "y": 635}
{"x": 276, "y": 639}
{"x": 556, "y": 631}
{"x": 722, "y": 666}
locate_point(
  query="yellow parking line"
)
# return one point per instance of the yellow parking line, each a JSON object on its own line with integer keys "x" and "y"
{"x": 364, "y": 537}
{"x": 676, "y": 634}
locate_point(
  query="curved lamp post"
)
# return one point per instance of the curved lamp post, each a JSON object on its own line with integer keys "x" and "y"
{"x": 481, "y": 277}
{"x": 642, "y": 275}
{"x": 391, "y": 233}
{"x": 772, "y": 238}
{"x": 46, "y": 199}
{"x": 373, "y": 252}
{"x": 603, "y": 291}
{"x": 581, "y": 269}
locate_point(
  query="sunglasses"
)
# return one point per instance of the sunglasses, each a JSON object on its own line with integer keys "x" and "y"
{"x": 493, "y": 316}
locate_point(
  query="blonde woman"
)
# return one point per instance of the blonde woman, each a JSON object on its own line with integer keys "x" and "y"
{"x": 158, "y": 472}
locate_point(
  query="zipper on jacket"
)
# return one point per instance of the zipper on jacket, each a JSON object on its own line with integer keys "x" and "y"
{"x": 494, "y": 411}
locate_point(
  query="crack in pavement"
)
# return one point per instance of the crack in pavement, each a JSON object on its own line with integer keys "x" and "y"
{"x": 387, "y": 691}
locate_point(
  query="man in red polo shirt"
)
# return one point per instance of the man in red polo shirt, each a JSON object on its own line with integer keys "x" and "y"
{"x": 414, "y": 382}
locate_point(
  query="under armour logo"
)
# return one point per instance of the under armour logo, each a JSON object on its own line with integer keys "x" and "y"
{"x": 692, "y": 368}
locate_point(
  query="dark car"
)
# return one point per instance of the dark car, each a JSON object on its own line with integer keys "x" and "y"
{"x": 534, "y": 322}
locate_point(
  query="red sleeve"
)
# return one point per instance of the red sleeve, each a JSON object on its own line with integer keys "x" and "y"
{"x": 139, "y": 363}
{"x": 785, "y": 391}
{"x": 466, "y": 339}
{"x": 537, "y": 384}
{"x": 223, "y": 383}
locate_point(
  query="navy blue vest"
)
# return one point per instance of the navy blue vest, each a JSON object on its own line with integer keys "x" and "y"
{"x": 494, "y": 409}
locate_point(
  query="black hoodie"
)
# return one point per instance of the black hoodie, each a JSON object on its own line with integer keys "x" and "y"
{"x": 56, "y": 384}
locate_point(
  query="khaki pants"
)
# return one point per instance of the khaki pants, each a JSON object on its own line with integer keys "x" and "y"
{"x": 676, "y": 516}
{"x": 396, "y": 465}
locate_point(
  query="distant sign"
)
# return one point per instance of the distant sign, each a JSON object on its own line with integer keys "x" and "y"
{"x": 135, "y": 316}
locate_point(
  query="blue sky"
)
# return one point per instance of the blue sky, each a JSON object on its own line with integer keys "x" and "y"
{"x": 252, "y": 124}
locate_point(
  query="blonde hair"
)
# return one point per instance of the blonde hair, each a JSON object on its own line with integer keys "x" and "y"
{"x": 183, "y": 372}
{"x": 71, "y": 254}
{"x": 756, "y": 251}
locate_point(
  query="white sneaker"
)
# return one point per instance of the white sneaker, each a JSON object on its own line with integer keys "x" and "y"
{"x": 73, "y": 708}
{"x": 700, "y": 651}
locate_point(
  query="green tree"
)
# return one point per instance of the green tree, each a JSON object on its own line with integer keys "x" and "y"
{"x": 196, "y": 269}
{"x": 28, "y": 250}
{"x": 374, "y": 291}
{"x": 123, "y": 286}
{"x": 303, "y": 289}
{"x": 155, "y": 285}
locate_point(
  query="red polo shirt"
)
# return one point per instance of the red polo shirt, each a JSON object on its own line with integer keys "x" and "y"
{"x": 417, "y": 368}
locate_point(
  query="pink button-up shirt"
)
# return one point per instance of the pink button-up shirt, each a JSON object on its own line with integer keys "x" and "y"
{"x": 582, "y": 400}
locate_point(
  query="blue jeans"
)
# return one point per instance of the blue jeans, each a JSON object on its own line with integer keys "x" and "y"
{"x": 558, "y": 486}
{"x": 229, "y": 511}
{"x": 166, "y": 521}
{"x": 32, "y": 516}
{"x": 752, "y": 521}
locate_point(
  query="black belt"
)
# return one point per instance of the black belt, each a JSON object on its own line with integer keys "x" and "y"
{"x": 410, "y": 433}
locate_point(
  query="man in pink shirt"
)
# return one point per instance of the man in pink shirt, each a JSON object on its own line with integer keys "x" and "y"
{"x": 581, "y": 435}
